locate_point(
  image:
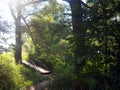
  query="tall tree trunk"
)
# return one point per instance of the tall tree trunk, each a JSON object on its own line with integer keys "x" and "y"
{"x": 19, "y": 6}
{"x": 18, "y": 48}
{"x": 78, "y": 32}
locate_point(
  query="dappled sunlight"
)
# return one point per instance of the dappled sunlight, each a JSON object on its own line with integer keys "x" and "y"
{"x": 59, "y": 45}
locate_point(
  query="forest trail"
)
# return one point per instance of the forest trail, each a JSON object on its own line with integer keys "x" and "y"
{"x": 42, "y": 85}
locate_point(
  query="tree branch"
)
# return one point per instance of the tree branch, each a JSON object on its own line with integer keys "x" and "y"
{"x": 85, "y": 4}
{"x": 31, "y": 14}
{"x": 28, "y": 29}
{"x": 32, "y": 2}
{"x": 69, "y": 1}
{"x": 12, "y": 12}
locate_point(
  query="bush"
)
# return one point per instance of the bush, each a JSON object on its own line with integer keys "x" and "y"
{"x": 15, "y": 77}
{"x": 65, "y": 79}
{"x": 10, "y": 76}
{"x": 71, "y": 82}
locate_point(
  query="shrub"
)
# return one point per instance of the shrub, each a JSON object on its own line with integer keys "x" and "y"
{"x": 15, "y": 77}
{"x": 10, "y": 77}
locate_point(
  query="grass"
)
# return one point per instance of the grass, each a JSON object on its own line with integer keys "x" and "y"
{"x": 14, "y": 77}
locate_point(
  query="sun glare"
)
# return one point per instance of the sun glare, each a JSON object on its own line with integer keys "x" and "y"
{"x": 4, "y": 10}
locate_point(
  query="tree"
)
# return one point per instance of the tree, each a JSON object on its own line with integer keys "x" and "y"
{"x": 104, "y": 41}
{"x": 79, "y": 19}
{"x": 95, "y": 30}
{"x": 17, "y": 17}
{"x": 48, "y": 30}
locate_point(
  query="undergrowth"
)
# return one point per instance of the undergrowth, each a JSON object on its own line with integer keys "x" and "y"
{"x": 15, "y": 77}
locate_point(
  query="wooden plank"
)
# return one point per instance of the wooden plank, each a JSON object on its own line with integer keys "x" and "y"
{"x": 39, "y": 69}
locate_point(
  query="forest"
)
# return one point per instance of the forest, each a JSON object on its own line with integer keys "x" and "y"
{"x": 60, "y": 45}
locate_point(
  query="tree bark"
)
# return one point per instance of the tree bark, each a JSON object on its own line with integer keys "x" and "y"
{"x": 18, "y": 41}
{"x": 78, "y": 32}
{"x": 18, "y": 48}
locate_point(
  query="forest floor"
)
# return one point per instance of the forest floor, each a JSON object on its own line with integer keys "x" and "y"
{"x": 40, "y": 86}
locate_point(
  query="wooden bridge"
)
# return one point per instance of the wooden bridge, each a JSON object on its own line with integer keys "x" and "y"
{"x": 42, "y": 85}
{"x": 33, "y": 66}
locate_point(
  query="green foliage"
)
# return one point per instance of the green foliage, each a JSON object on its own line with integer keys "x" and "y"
{"x": 31, "y": 76}
{"x": 62, "y": 79}
{"x": 106, "y": 30}
{"x": 83, "y": 57}
{"x": 95, "y": 42}
{"x": 92, "y": 83}
{"x": 15, "y": 77}
{"x": 69, "y": 81}
{"x": 61, "y": 83}
{"x": 49, "y": 33}
{"x": 10, "y": 75}
{"x": 28, "y": 48}
{"x": 63, "y": 68}
{"x": 86, "y": 57}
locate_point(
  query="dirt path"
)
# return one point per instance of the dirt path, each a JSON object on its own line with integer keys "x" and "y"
{"x": 40, "y": 86}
